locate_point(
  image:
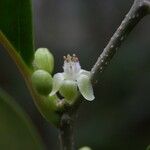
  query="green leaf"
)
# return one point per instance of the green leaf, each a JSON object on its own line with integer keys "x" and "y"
{"x": 16, "y": 25}
{"x": 16, "y": 130}
{"x": 16, "y": 37}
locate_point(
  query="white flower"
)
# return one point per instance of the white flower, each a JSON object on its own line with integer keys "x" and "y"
{"x": 72, "y": 79}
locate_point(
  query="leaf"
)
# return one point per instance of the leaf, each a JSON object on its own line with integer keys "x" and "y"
{"x": 16, "y": 25}
{"x": 16, "y": 130}
{"x": 16, "y": 37}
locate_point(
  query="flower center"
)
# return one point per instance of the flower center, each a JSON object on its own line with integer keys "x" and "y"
{"x": 71, "y": 67}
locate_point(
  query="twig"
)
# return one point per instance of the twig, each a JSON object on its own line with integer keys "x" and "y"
{"x": 139, "y": 9}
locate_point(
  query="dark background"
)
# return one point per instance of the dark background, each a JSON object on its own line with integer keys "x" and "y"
{"x": 119, "y": 117}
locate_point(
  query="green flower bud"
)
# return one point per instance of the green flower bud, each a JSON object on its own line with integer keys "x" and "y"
{"x": 85, "y": 148}
{"x": 68, "y": 90}
{"x": 42, "y": 81}
{"x": 44, "y": 60}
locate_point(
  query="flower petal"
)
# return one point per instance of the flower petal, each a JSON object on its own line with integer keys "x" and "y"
{"x": 57, "y": 82}
{"x": 84, "y": 72}
{"x": 85, "y": 87}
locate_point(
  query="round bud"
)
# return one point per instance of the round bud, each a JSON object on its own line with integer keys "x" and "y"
{"x": 85, "y": 148}
{"x": 44, "y": 60}
{"x": 68, "y": 90}
{"x": 42, "y": 82}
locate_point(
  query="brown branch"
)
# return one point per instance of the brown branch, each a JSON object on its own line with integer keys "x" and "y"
{"x": 139, "y": 9}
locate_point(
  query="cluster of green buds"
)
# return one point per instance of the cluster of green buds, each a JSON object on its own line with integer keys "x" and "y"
{"x": 43, "y": 64}
{"x": 68, "y": 84}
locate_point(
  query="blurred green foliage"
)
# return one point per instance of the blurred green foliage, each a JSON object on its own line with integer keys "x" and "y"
{"x": 16, "y": 129}
{"x": 16, "y": 25}
{"x": 148, "y": 148}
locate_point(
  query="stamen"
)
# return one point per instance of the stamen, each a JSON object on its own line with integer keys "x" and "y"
{"x": 70, "y": 58}
{"x": 74, "y": 55}
{"x": 71, "y": 66}
{"x": 64, "y": 58}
